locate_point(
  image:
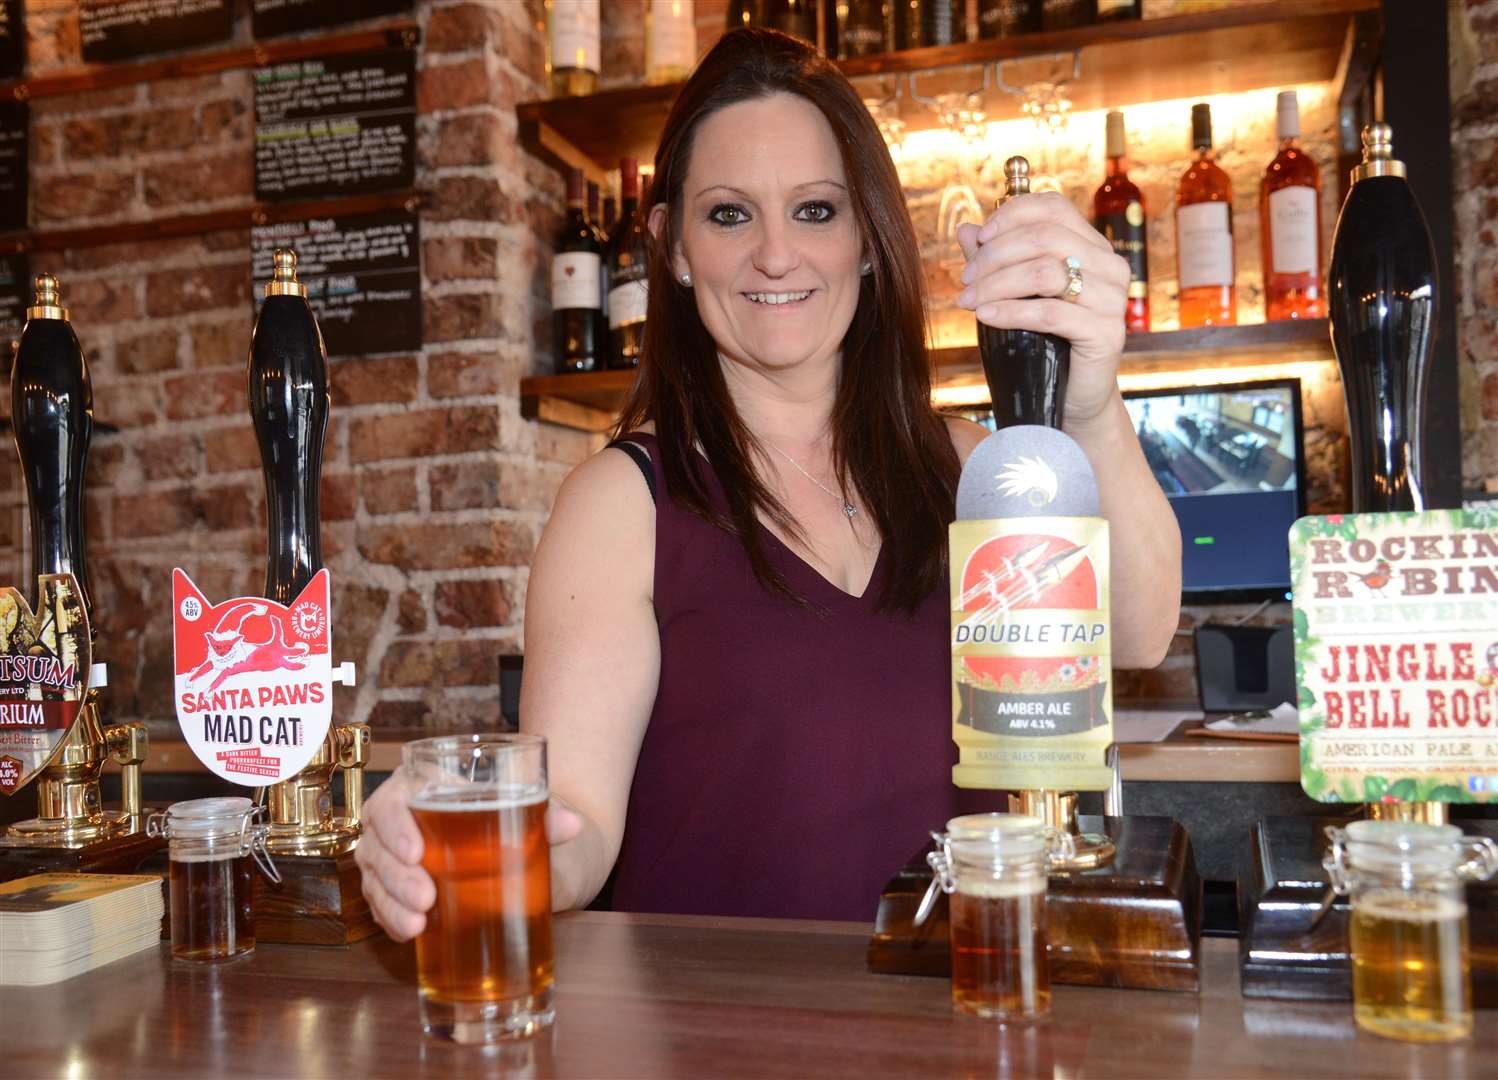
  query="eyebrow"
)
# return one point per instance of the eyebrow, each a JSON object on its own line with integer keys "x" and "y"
{"x": 745, "y": 195}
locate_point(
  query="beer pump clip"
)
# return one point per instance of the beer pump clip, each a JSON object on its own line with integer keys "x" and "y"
{"x": 50, "y": 724}
{"x": 1031, "y": 664}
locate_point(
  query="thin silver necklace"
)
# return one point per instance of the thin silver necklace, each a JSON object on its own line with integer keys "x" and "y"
{"x": 848, "y": 508}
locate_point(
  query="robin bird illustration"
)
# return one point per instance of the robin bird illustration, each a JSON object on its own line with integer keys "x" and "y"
{"x": 1381, "y": 575}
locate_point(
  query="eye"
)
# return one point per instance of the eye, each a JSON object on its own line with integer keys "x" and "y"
{"x": 816, "y": 212}
{"x": 727, "y": 214}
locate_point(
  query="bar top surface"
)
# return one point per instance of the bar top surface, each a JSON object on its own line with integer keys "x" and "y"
{"x": 1176, "y": 758}
{"x": 657, "y": 995}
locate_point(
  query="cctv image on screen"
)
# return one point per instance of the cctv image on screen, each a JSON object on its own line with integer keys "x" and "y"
{"x": 1227, "y": 459}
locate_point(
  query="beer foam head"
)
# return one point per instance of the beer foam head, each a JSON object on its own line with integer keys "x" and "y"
{"x": 1010, "y": 887}
{"x": 1399, "y": 905}
{"x": 466, "y": 798}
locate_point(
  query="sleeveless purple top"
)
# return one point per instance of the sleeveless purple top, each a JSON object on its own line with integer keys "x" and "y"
{"x": 795, "y": 760}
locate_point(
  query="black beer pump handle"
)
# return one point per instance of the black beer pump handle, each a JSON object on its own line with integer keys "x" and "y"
{"x": 52, "y": 411}
{"x": 1026, "y": 371}
{"x": 1383, "y": 298}
{"x": 288, "y": 381}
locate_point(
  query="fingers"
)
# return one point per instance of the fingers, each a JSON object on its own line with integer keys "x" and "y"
{"x": 1049, "y": 316}
{"x": 967, "y": 239}
{"x": 387, "y": 816}
{"x": 1104, "y": 284}
{"x": 1045, "y": 207}
{"x": 1045, "y": 241}
{"x": 399, "y": 921}
{"x": 388, "y": 855}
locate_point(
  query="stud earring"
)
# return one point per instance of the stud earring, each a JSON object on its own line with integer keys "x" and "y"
{"x": 686, "y": 279}
{"x": 867, "y": 268}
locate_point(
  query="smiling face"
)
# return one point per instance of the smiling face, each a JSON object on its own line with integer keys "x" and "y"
{"x": 768, "y": 234}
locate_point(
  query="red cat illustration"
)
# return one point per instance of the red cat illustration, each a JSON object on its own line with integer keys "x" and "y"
{"x": 230, "y": 654}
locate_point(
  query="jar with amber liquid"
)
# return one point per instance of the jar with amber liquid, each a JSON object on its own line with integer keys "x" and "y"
{"x": 1411, "y": 969}
{"x": 213, "y": 845}
{"x": 994, "y": 868}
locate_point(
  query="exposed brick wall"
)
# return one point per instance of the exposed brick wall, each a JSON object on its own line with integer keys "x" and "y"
{"x": 434, "y": 488}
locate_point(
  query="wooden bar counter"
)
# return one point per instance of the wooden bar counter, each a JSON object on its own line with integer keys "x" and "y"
{"x": 653, "y": 996}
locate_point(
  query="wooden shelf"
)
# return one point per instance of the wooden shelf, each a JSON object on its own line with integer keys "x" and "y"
{"x": 590, "y": 402}
{"x": 403, "y": 34}
{"x": 1247, "y": 46}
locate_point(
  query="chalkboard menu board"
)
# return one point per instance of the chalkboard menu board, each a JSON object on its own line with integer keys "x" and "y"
{"x": 363, "y": 277}
{"x": 271, "y": 17}
{"x": 15, "y": 129}
{"x": 124, "y": 29}
{"x": 337, "y": 126}
{"x": 15, "y": 297}
{"x": 12, "y": 38}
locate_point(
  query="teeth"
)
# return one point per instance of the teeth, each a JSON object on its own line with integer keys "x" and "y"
{"x": 778, "y": 297}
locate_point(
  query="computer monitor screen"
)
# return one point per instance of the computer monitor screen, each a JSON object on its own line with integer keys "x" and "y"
{"x": 1229, "y": 459}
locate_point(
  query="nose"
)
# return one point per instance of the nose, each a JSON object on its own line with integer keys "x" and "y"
{"x": 775, "y": 255}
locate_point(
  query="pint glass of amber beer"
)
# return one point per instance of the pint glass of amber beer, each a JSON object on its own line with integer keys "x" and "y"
{"x": 994, "y": 868}
{"x": 1411, "y": 973}
{"x": 484, "y": 960}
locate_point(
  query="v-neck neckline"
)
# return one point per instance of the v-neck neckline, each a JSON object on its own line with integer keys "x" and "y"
{"x": 812, "y": 573}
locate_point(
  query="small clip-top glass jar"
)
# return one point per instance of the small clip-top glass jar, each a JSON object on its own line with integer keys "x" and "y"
{"x": 994, "y": 869}
{"x": 211, "y": 843}
{"x": 1411, "y": 975}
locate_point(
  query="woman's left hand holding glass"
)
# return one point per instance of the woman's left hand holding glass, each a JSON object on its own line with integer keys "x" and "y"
{"x": 1017, "y": 272}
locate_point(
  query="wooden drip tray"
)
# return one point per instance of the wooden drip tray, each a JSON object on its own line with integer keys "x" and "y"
{"x": 1281, "y": 887}
{"x": 1135, "y": 923}
{"x": 127, "y": 853}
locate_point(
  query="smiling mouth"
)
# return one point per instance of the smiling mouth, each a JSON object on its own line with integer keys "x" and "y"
{"x": 775, "y": 299}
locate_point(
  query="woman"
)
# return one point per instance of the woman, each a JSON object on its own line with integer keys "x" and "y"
{"x": 740, "y": 658}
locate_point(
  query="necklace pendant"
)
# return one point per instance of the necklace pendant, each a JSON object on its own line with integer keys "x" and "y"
{"x": 850, "y": 510}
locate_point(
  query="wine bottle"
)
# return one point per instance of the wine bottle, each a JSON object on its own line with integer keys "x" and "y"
{"x": 1204, "y": 234}
{"x": 627, "y": 274}
{"x": 922, "y": 23}
{"x": 1118, "y": 213}
{"x": 572, "y": 46}
{"x": 1118, "y": 10}
{"x": 1067, "y": 14}
{"x": 863, "y": 29}
{"x": 1026, "y": 371}
{"x": 1382, "y": 292}
{"x": 795, "y": 17}
{"x": 743, "y": 13}
{"x": 1007, "y": 18}
{"x": 577, "y": 286}
{"x": 1290, "y": 223}
{"x": 670, "y": 41}
{"x": 610, "y": 214}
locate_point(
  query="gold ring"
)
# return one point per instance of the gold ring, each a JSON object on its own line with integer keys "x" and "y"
{"x": 1073, "y": 290}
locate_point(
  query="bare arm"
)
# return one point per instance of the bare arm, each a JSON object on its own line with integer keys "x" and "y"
{"x": 592, "y": 659}
{"x": 591, "y": 666}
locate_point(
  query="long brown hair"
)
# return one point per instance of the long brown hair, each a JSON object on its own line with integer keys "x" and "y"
{"x": 886, "y": 437}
